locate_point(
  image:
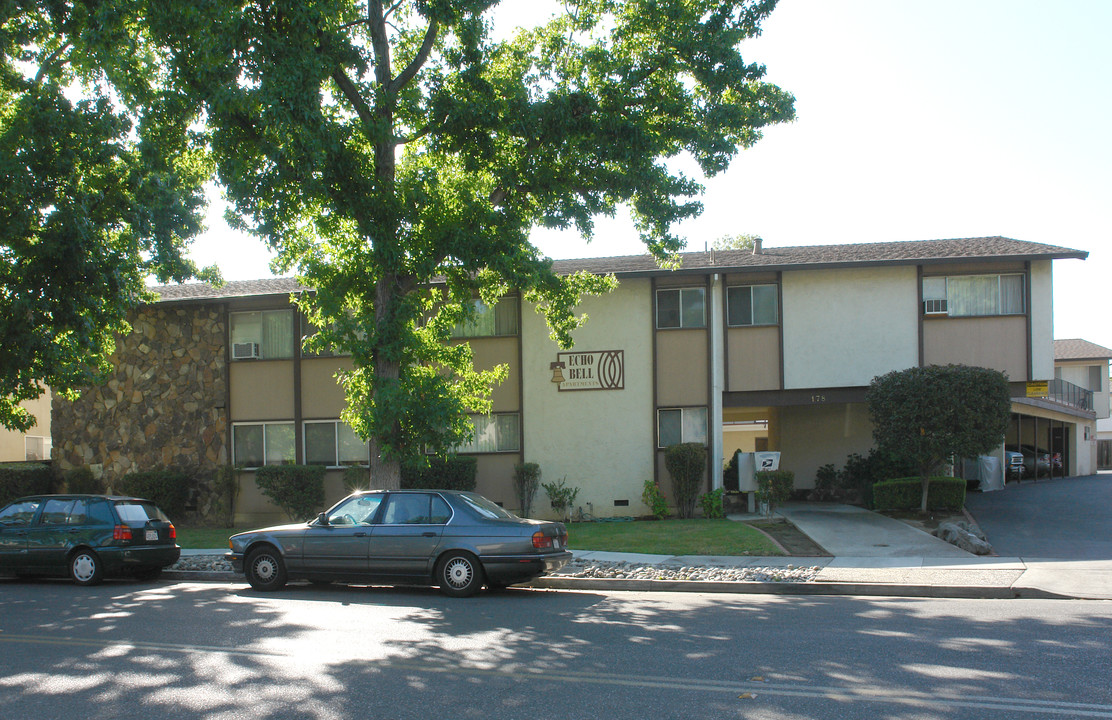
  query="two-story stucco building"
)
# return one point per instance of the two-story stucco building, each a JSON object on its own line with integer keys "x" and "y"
{"x": 769, "y": 349}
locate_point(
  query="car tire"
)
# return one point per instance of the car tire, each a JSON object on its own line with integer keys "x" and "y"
{"x": 85, "y": 568}
{"x": 265, "y": 569}
{"x": 459, "y": 574}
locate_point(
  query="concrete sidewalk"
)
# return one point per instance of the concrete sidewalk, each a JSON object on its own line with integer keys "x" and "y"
{"x": 870, "y": 554}
{"x": 875, "y": 555}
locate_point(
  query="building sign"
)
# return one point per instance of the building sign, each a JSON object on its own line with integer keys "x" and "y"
{"x": 1038, "y": 389}
{"x": 597, "y": 370}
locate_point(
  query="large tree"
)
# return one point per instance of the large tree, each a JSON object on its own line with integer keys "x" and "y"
{"x": 100, "y": 186}
{"x": 930, "y": 415}
{"x": 397, "y": 155}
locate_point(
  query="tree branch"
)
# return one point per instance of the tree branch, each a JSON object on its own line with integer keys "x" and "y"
{"x": 351, "y": 92}
{"x": 379, "y": 43}
{"x": 48, "y": 63}
{"x": 422, "y": 56}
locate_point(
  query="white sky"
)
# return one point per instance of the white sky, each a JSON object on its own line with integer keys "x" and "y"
{"x": 917, "y": 119}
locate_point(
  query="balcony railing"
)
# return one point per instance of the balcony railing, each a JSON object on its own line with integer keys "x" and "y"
{"x": 1067, "y": 393}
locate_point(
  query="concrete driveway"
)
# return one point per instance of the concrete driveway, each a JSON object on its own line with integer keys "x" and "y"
{"x": 1064, "y": 518}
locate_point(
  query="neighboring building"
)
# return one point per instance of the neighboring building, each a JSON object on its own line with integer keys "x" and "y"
{"x": 766, "y": 349}
{"x": 33, "y": 444}
{"x": 1081, "y": 374}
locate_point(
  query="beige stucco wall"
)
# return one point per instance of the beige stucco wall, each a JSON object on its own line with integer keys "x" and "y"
{"x": 493, "y": 351}
{"x": 812, "y": 436}
{"x": 844, "y": 327}
{"x": 13, "y": 445}
{"x": 999, "y": 343}
{"x": 681, "y": 367}
{"x": 261, "y": 390}
{"x": 322, "y": 396}
{"x": 494, "y": 479}
{"x": 754, "y": 359}
{"x": 600, "y": 440}
{"x": 1042, "y": 321}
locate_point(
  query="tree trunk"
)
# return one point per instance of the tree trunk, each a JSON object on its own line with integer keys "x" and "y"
{"x": 385, "y": 474}
{"x": 926, "y": 488}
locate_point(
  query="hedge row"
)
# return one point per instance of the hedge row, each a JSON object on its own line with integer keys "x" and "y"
{"x": 943, "y": 493}
{"x": 452, "y": 473}
{"x": 19, "y": 479}
{"x": 297, "y": 489}
{"x": 168, "y": 489}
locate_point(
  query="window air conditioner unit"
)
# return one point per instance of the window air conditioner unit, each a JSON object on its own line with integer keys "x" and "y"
{"x": 245, "y": 351}
{"x": 934, "y": 307}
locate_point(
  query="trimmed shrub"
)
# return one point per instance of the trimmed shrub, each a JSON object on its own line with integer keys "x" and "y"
{"x": 944, "y": 493}
{"x": 654, "y": 498}
{"x": 687, "y": 464}
{"x": 19, "y": 479}
{"x": 730, "y": 474}
{"x": 527, "y": 478}
{"x": 774, "y": 486}
{"x": 712, "y": 505}
{"x": 82, "y": 480}
{"x": 168, "y": 489}
{"x": 357, "y": 477}
{"x": 454, "y": 472}
{"x": 297, "y": 489}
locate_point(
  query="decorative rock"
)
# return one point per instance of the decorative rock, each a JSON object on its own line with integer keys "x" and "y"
{"x": 964, "y": 536}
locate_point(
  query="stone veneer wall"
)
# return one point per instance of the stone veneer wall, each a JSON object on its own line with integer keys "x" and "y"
{"x": 164, "y": 405}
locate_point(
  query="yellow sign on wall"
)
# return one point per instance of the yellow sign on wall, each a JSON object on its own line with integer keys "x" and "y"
{"x": 1038, "y": 389}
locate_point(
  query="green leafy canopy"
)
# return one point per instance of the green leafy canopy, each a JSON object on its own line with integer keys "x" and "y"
{"x": 928, "y": 415}
{"x": 96, "y": 193}
{"x": 397, "y": 156}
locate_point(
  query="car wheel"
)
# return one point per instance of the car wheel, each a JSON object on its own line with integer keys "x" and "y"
{"x": 459, "y": 574}
{"x": 266, "y": 570}
{"x": 147, "y": 574}
{"x": 85, "y": 568}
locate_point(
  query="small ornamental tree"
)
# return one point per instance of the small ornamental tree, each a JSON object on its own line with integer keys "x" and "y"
{"x": 928, "y": 414}
{"x": 687, "y": 464}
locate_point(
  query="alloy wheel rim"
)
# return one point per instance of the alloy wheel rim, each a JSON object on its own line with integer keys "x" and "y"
{"x": 264, "y": 568}
{"x": 459, "y": 572}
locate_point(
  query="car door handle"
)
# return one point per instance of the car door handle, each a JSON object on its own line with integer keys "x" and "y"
{"x": 428, "y": 534}
{"x": 360, "y": 534}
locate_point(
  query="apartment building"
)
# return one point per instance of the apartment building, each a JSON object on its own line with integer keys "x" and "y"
{"x": 769, "y": 349}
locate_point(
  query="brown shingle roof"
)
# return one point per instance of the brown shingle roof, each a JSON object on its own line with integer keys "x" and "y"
{"x": 817, "y": 256}
{"x": 234, "y": 288}
{"x": 925, "y": 252}
{"x": 1077, "y": 349}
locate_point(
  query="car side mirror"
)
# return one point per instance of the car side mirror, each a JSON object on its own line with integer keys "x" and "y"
{"x": 322, "y": 519}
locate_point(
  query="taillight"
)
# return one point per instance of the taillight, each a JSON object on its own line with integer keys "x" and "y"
{"x": 173, "y": 532}
{"x": 121, "y": 532}
{"x": 541, "y": 541}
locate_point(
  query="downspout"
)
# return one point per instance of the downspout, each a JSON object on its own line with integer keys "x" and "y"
{"x": 717, "y": 381}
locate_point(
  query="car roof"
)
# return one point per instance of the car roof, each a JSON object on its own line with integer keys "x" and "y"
{"x": 81, "y": 496}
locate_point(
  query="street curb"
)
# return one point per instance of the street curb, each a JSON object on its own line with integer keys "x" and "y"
{"x": 737, "y": 588}
{"x": 796, "y": 588}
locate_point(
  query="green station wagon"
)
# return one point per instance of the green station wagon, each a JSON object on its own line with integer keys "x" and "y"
{"x": 86, "y": 537}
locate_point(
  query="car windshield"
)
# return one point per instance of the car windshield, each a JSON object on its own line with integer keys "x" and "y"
{"x": 132, "y": 511}
{"x": 485, "y": 507}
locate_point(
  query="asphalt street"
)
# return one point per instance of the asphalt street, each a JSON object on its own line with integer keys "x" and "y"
{"x": 1064, "y": 518}
{"x": 210, "y": 650}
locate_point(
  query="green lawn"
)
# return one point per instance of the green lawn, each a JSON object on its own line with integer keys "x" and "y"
{"x": 664, "y": 537}
{"x": 206, "y": 538}
{"x": 671, "y": 537}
